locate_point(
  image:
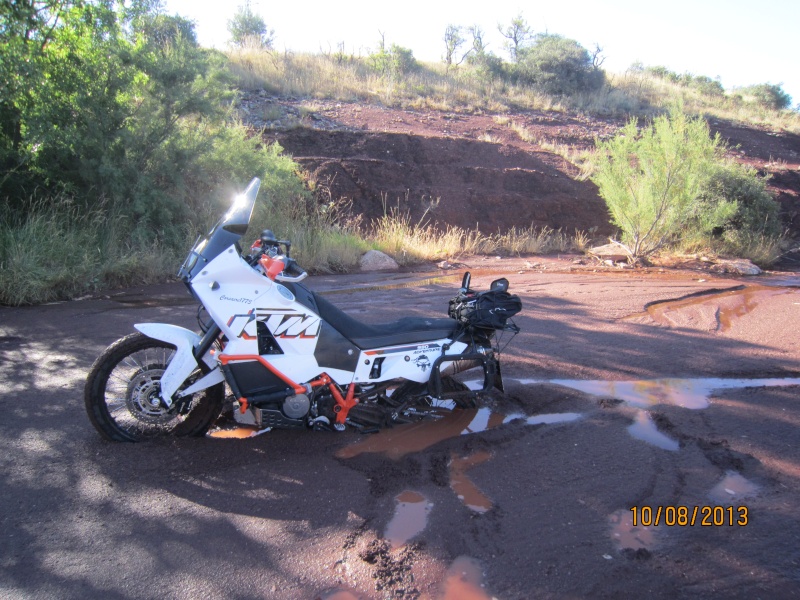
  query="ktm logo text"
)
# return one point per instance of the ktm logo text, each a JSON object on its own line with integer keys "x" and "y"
{"x": 285, "y": 324}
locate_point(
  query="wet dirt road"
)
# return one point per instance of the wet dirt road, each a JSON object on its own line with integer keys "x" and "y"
{"x": 528, "y": 497}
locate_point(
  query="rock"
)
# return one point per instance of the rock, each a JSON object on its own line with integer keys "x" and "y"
{"x": 613, "y": 252}
{"x": 446, "y": 265}
{"x": 739, "y": 266}
{"x": 375, "y": 260}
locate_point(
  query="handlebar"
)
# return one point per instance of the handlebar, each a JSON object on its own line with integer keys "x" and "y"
{"x": 291, "y": 265}
{"x": 278, "y": 269}
{"x": 287, "y": 279}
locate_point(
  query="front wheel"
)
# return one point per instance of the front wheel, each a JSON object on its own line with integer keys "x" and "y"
{"x": 123, "y": 400}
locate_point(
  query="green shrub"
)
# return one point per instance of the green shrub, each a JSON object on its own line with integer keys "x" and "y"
{"x": 651, "y": 178}
{"x": 557, "y": 65}
{"x": 670, "y": 183}
{"x": 768, "y": 95}
{"x": 392, "y": 62}
{"x": 756, "y": 211}
{"x": 118, "y": 144}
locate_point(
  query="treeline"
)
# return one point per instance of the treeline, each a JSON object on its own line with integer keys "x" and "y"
{"x": 768, "y": 95}
{"x": 546, "y": 63}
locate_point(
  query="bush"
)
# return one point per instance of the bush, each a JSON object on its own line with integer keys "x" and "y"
{"x": 768, "y": 95}
{"x": 670, "y": 183}
{"x": 756, "y": 212}
{"x": 558, "y": 66}
{"x": 394, "y": 62}
{"x": 650, "y": 179}
{"x": 114, "y": 144}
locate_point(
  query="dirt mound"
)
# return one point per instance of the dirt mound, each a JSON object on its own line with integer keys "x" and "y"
{"x": 489, "y": 171}
{"x": 461, "y": 182}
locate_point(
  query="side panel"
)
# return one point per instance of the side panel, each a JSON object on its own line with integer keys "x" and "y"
{"x": 412, "y": 361}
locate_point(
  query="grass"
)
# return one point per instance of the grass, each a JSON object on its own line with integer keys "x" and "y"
{"x": 349, "y": 78}
{"x": 409, "y": 242}
{"x": 58, "y": 252}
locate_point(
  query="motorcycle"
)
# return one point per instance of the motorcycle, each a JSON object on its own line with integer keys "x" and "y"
{"x": 290, "y": 358}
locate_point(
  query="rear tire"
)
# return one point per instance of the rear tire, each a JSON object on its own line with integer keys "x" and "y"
{"x": 461, "y": 394}
{"x": 122, "y": 394}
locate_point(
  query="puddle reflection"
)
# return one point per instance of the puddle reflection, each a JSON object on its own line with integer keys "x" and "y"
{"x": 732, "y": 489}
{"x": 724, "y": 307}
{"x": 338, "y": 595}
{"x": 645, "y": 429}
{"x": 415, "y": 437}
{"x": 464, "y": 581}
{"x": 410, "y": 518}
{"x": 472, "y": 497}
{"x": 687, "y": 393}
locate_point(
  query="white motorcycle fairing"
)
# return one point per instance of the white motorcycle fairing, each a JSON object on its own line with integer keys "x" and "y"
{"x": 279, "y": 330}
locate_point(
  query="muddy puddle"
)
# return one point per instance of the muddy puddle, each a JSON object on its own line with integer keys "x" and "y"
{"x": 732, "y": 489}
{"x": 644, "y": 429}
{"x": 464, "y": 581}
{"x": 714, "y": 310}
{"x": 339, "y": 595}
{"x": 469, "y": 494}
{"x": 398, "y": 286}
{"x": 625, "y": 534}
{"x": 410, "y": 518}
{"x": 152, "y": 302}
{"x": 687, "y": 393}
{"x": 415, "y": 437}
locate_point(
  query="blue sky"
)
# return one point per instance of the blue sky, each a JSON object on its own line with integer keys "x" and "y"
{"x": 742, "y": 42}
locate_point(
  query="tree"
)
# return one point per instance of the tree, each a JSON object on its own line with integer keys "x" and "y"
{"x": 478, "y": 45}
{"x": 453, "y": 40}
{"x": 651, "y": 179}
{"x": 487, "y": 66}
{"x": 518, "y": 33}
{"x": 559, "y": 66}
{"x": 26, "y": 29}
{"x": 247, "y": 27}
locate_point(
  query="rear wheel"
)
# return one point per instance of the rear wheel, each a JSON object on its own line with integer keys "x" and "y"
{"x": 415, "y": 397}
{"x": 459, "y": 393}
{"x": 122, "y": 394}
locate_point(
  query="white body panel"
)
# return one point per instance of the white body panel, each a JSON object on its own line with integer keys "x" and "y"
{"x": 237, "y": 297}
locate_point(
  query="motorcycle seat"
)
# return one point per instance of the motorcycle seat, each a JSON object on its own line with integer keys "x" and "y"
{"x": 408, "y": 330}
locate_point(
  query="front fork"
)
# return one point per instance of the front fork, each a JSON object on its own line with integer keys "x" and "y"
{"x": 188, "y": 347}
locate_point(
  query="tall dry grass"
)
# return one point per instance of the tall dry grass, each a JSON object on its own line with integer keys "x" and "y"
{"x": 341, "y": 77}
{"x": 413, "y": 242}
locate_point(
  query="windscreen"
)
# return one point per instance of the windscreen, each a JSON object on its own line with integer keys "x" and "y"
{"x": 228, "y": 230}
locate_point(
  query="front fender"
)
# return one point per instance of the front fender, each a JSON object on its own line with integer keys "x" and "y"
{"x": 183, "y": 363}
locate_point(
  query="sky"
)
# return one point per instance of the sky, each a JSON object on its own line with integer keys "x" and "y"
{"x": 740, "y": 41}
